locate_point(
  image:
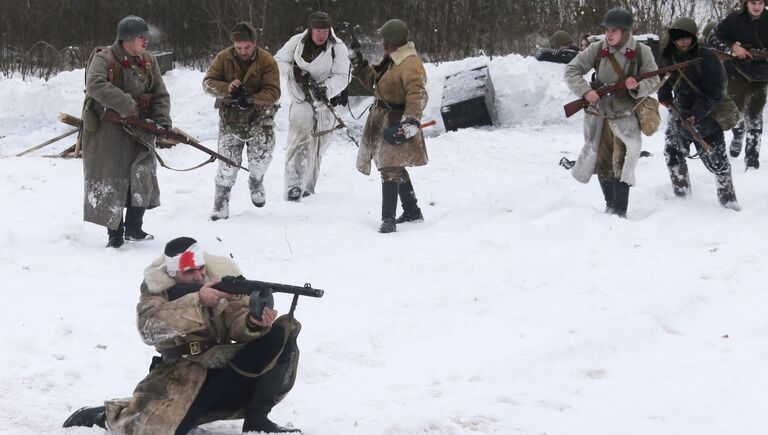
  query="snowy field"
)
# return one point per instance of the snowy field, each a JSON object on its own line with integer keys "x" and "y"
{"x": 517, "y": 307}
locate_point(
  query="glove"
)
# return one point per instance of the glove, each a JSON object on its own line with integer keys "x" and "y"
{"x": 299, "y": 76}
{"x": 320, "y": 93}
{"x": 356, "y": 58}
{"x": 409, "y": 127}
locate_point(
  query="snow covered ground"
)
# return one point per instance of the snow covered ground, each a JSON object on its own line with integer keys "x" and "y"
{"x": 517, "y": 307}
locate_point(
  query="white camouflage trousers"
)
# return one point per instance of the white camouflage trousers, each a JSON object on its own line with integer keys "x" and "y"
{"x": 259, "y": 141}
{"x": 303, "y": 152}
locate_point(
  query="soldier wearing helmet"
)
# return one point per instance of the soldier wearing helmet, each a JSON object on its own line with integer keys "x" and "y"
{"x": 562, "y": 48}
{"x": 611, "y": 129}
{"x": 399, "y": 87}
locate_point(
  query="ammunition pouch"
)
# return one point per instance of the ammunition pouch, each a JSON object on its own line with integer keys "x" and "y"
{"x": 91, "y": 114}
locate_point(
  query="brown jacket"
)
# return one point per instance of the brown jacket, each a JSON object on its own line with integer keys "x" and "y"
{"x": 116, "y": 158}
{"x": 261, "y": 78}
{"x": 399, "y": 79}
{"x": 162, "y": 399}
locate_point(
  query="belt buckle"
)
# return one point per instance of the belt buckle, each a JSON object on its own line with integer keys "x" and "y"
{"x": 194, "y": 348}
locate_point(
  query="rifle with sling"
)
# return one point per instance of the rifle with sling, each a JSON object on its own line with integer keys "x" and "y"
{"x": 112, "y": 116}
{"x": 691, "y": 129}
{"x": 575, "y": 106}
{"x": 260, "y": 292}
{"x": 310, "y": 90}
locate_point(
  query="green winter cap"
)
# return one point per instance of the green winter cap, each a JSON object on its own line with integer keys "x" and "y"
{"x": 131, "y": 27}
{"x": 319, "y": 20}
{"x": 395, "y": 31}
{"x": 618, "y": 18}
{"x": 560, "y": 38}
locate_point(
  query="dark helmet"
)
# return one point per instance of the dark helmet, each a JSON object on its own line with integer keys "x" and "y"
{"x": 683, "y": 27}
{"x": 395, "y": 31}
{"x": 131, "y": 27}
{"x": 618, "y": 18}
{"x": 708, "y": 28}
{"x": 560, "y": 38}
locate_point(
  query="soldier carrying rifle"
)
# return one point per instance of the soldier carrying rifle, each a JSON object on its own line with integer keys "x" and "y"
{"x": 611, "y": 129}
{"x": 222, "y": 356}
{"x": 692, "y": 94}
{"x": 738, "y": 34}
{"x": 246, "y": 81}
{"x": 119, "y": 163}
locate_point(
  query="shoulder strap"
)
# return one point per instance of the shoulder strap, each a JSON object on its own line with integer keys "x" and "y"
{"x": 616, "y": 67}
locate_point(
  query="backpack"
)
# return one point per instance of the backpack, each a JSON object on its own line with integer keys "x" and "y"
{"x": 726, "y": 113}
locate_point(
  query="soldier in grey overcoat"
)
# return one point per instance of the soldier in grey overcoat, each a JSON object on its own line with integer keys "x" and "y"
{"x": 119, "y": 161}
{"x": 611, "y": 130}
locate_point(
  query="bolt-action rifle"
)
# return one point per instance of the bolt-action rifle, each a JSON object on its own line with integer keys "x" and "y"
{"x": 112, "y": 116}
{"x": 691, "y": 129}
{"x": 574, "y": 106}
{"x": 756, "y": 54}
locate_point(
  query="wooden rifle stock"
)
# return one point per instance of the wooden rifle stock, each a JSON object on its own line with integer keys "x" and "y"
{"x": 756, "y": 54}
{"x": 574, "y": 106}
{"x": 112, "y": 116}
{"x": 691, "y": 129}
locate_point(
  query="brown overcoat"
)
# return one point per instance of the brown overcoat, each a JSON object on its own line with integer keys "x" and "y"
{"x": 399, "y": 79}
{"x": 261, "y": 78}
{"x": 161, "y": 400}
{"x": 117, "y": 158}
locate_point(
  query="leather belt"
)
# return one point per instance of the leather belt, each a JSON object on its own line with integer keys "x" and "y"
{"x": 192, "y": 348}
{"x": 387, "y": 105}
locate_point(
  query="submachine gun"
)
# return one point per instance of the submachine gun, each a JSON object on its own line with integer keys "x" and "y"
{"x": 260, "y": 292}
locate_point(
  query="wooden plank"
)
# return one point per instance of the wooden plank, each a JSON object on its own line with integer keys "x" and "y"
{"x": 48, "y": 142}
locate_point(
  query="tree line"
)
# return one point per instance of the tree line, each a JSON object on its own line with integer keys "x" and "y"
{"x": 42, "y": 37}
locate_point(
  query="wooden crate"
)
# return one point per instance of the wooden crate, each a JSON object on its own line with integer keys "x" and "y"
{"x": 468, "y": 99}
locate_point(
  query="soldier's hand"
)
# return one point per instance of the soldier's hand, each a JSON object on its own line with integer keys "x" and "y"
{"x": 356, "y": 58}
{"x": 209, "y": 296}
{"x": 409, "y": 127}
{"x": 592, "y": 96}
{"x": 691, "y": 120}
{"x": 320, "y": 93}
{"x": 268, "y": 316}
{"x": 631, "y": 83}
{"x": 232, "y": 86}
{"x": 740, "y": 51}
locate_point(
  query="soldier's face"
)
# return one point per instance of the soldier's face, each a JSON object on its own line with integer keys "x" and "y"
{"x": 755, "y": 7}
{"x": 191, "y": 276}
{"x": 613, "y": 36}
{"x": 319, "y": 36}
{"x": 137, "y": 46}
{"x": 245, "y": 49}
{"x": 683, "y": 44}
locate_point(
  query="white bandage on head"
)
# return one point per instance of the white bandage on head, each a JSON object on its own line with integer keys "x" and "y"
{"x": 190, "y": 258}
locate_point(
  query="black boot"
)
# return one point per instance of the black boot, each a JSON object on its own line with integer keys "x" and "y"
{"x": 681, "y": 184}
{"x": 134, "y": 220}
{"x": 606, "y": 185}
{"x": 88, "y": 416}
{"x": 116, "y": 239}
{"x": 294, "y": 194}
{"x": 737, "y": 142}
{"x": 620, "y": 198}
{"x": 257, "y": 421}
{"x": 752, "y": 150}
{"x": 411, "y": 211}
{"x": 389, "y": 190}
